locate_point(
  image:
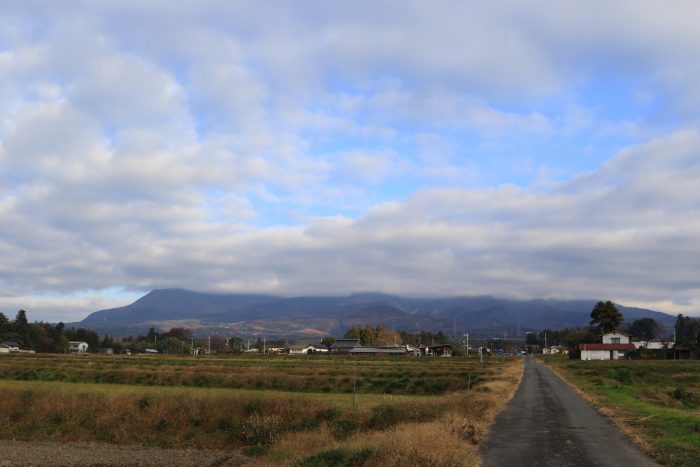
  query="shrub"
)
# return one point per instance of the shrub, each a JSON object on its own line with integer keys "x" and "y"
{"x": 682, "y": 394}
{"x": 254, "y": 407}
{"x": 344, "y": 428}
{"x": 466, "y": 430}
{"x": 623, "y": 375}
{"x": 143, "y": 403}
{"x": 160, "y": 424}
{"x": 328, "y": 415}
{"x": 259, "y": 430}
{"x": 385, "y": 416}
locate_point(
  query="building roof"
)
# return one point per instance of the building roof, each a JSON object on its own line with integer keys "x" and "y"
{"x": 596, "y": 346}
{"x": 384, "y": 350}
{"x": 317, "y": 346}
{"x": 345, "y": 344}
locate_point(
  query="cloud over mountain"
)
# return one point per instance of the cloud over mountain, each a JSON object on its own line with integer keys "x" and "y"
{"x": 443, "y": 149}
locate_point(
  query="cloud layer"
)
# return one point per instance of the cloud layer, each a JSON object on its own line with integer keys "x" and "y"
{"x": 308, "y": 148}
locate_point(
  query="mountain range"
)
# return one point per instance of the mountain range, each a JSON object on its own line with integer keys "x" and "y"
{"x": 264, "y": 315}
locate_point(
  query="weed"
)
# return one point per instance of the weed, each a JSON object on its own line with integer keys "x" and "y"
{"x": 344, "y": 428}
{"x": 385, "y": 416}
{"x": 682, "y": 394}
{"x": 194, "y": 423}
{"x": 254, "y": 407}
{"x": 143, "y": 403}
{"x": 259, "y": 430}
{"x": 160, "y": 424}
{"x": 328, "y": 414}
{"x": 336, "y": 457}
{"x": 56, "y": 418}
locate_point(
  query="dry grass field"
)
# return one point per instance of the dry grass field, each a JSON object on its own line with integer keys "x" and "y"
{"x": 278, "y": 411}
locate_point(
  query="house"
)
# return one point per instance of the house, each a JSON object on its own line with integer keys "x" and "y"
{"x": 685, "y": 352}
{"x": 316, "y": 348}
{"x": 615, "y": 346}
{"x": 344, "y": 345}
{"x": 616, "y": 338}
{"x": 297, "y": 349}
{"x": 442, "y": 350}
{"x": 8, "y": 346}
{"x": 557, "y": 349}
{"x": 77, "y": 347}
{"x": 390, "y": 350}
{"x": 653, "y": 345}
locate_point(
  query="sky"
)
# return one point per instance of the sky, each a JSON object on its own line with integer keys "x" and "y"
{"x": 523, "y": 149}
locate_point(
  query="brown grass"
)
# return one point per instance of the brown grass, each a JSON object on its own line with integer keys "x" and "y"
{"x": 450, "y": 440}
{"x": 280, "y": 427}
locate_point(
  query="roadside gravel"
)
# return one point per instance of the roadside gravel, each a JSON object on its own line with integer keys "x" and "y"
{"x": 45, "y": 453}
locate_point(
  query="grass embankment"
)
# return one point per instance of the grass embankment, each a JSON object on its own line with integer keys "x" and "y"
{"x": 656, "y": 402}
{"x": 273, "y": 427}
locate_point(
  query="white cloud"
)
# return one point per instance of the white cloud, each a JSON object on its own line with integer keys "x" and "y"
{"x": 327, "y": 149}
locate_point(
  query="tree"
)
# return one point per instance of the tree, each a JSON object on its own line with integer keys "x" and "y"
{"x": 4, "y": 324}
{"x": 21, "y": 326}
{"x": 183, "y": 334}
{"x": 644, "y": 328}
{"x": 328, "y": 341}
{"x": 606, "y": 317}
{"x": 687, "y": 330}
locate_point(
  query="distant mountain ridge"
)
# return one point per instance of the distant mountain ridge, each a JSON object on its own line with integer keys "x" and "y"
{"x": 254, "y": 314}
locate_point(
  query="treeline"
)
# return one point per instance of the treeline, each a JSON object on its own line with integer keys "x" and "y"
{"x": 686, "y": 333}
{"x": 43, "y": 337}
{"x": 382, "y": 335}
{"x": 54, "y": 338}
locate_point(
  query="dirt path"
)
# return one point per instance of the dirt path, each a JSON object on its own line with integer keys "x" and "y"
{"x": 41, "y": 453}
{"x": 548, "y": 424}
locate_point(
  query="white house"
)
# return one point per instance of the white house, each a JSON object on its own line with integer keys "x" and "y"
{"x": 653, "y": 345}
{"x": 616, "y": 338}
{"x": 615, "y": 346}
{"x": 313, "y": 348}
{"x": 78, "y": 346}
{"x": 7, "y": 347}
{"x": 307, "y": 349}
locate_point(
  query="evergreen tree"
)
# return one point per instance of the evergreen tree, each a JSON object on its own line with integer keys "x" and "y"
{"x": 20, "y": 326}
{"x": 606, "y": 317}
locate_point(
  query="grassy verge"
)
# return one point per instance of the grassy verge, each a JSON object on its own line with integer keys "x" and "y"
{"x": 657, "y": 403}
{"x": 273, "y": 427}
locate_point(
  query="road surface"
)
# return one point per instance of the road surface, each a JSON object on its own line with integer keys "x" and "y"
{"x": 548, "y": 424}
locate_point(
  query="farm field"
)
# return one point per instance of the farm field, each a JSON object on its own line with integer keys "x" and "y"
{"x": 656, "y": 402}
{"x": 276, "y": 410}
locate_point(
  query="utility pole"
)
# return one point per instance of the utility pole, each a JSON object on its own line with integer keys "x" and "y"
{"x": 209, "y": 344}
{"x": 354, "y": 378}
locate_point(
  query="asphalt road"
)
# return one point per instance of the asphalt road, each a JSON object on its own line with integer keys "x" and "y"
{"x": 548, "y": 424}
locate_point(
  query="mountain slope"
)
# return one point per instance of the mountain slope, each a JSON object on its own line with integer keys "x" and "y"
{"x": 312, "y": 316}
